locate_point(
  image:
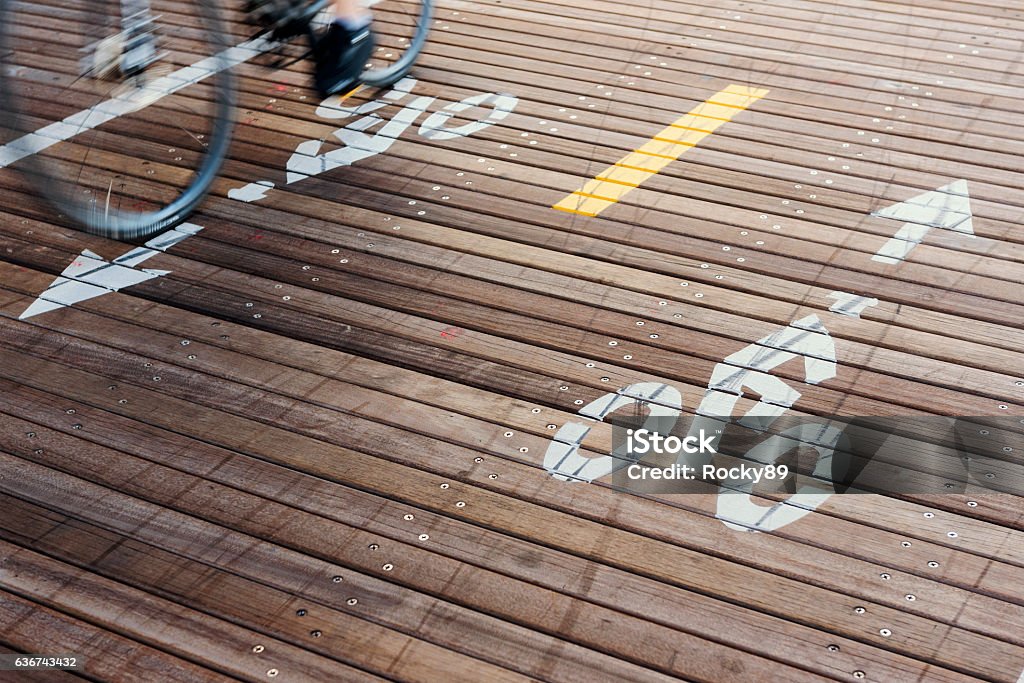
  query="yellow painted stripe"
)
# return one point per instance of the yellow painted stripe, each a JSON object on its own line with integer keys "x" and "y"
{"x": 600, "y": 189}
{"x": 588, "y": 195}
{"x": 664, "y": 148}
{"x": 706, "y": 129}
{"x": 588, "y": 206}
{"x": 731, "y": 99}
{"x": 652, "y": 154}
{"x": 708, "y": 110}
{"x": 696, "y": 121}
{"x": 624, "y": 175}
{"x": 673, "y": 143}
{"x": 645, "y": 162}
{"x": 581, "y": 213}
{"x": 612, "y": 171}
{"x": 683, "y": 134}
{"x": 636, "y": 168}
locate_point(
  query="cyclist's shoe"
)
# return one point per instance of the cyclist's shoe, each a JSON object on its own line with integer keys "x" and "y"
{"x": 341, "y": 57}
{"x": 139, "y": 52}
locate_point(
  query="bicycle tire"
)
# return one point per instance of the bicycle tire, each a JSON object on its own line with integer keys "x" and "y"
{"x": 381, "y": 77}
{"x": 49, "y": 176}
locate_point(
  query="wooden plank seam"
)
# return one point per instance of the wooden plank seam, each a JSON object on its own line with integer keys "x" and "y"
{"x": 629, "y": 172}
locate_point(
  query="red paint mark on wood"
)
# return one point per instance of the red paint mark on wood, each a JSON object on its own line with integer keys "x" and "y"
{"x": 452, "y": 332}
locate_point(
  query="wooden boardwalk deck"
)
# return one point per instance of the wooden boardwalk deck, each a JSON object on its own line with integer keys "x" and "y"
{"x": 315, "y": 448}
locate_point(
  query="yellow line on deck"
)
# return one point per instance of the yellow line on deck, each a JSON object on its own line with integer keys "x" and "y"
{"x": 581, "y": 213}
{"x": 621, "y": 178}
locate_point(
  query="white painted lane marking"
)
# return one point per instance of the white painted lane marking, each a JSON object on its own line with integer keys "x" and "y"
{"x": 563, "y": 460}
{"x": 87, "y": 119}
{"x": 807, "y": 338}
{"x": 253, "y": 192}
{"x": 308, "y": 160}
{"x": 948, "y": 207}
{"x": 851, "y": 305}
{"x": 435, "y": 128}
{"x": 360, "y": 142}
{"x": 90, "y": 276}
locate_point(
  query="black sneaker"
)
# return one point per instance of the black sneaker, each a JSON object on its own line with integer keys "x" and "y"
{"x": 341, "y": 56}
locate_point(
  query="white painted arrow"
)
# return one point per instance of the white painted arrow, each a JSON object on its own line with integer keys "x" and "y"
{"x": 851, "y": 305}
{"x": 948, "y": 207}
{"x": 90, "y": 276}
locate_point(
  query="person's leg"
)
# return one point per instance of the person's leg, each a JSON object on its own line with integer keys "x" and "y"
{"x": 353, "y": 14}
{"x": 344, "y": 48}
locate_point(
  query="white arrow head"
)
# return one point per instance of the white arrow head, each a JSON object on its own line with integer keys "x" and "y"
{"x": 63, "y": 292}
{"x": 90, "y": 276}
{"x": 87, "y": 278}
{"x": 948, "y": 207}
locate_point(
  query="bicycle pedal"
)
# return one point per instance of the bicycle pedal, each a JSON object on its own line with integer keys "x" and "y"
{"x": 351, "y": 92}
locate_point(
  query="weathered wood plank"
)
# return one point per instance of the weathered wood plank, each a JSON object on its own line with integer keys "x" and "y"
{"x": 422, "y": 448}
{"x": 205, "y": 341}
{"x": 291, "y": 618}
{"x": 743, "y": 629}
{"x": 358, "y": 376}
